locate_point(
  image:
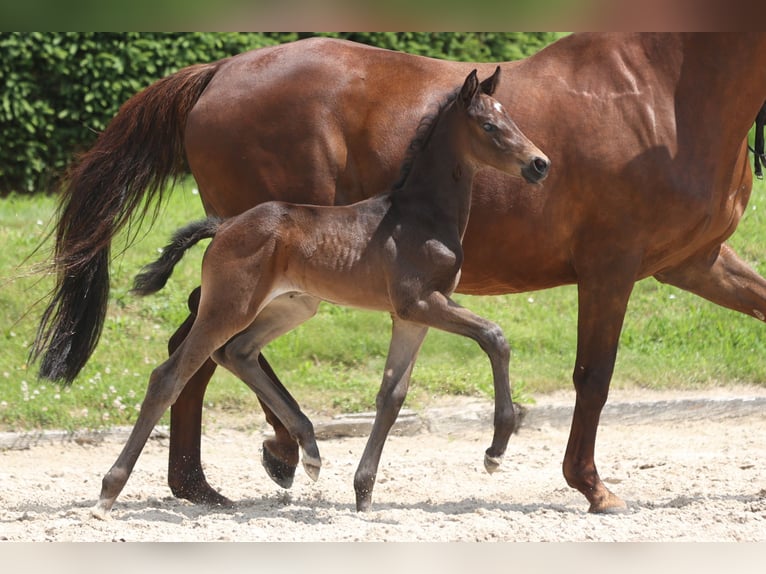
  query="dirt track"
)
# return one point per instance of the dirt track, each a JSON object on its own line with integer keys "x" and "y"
{"x": 690, "y": 466}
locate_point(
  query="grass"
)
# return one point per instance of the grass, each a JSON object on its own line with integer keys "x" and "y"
{"x": 671, "y": 339}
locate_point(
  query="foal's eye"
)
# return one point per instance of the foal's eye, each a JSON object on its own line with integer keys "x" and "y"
{"x": 488, "y": 127}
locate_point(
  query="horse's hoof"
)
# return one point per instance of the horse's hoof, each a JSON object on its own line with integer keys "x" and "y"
{"x": 492, "y": 463}
{"x": 200, "y": 492}
{"x": 278, "y": 471}
{"x": 312, "y": 467}
{"x": 612, "y": 504}
{"x": 100, "y": 512}
{"x": 363, "y": 503}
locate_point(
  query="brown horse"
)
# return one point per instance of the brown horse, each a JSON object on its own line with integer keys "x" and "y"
{"x": 266, "y": 271}
{"x": 647, "y": 133}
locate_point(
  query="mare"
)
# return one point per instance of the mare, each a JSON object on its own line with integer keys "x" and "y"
{"x": 266, "y": 271}
{"x": 647, "y": 132}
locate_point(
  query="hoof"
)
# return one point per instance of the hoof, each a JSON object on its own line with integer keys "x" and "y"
{"x": 612, "y": 504}
{"x": 312, "y": 467}
{"x": 363, "y": 503}
{"x": 279, "y": 471}
{"x": 100, "y": 512}
{"x": 216, "y": 499}
{"x": 201, "y": 493}
{"x": 492, "y": 463}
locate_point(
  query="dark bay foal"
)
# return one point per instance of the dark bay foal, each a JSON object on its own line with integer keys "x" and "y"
{"x": 266, "y": 271}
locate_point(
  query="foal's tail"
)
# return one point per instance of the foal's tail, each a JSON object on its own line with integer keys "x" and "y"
{"x": 128, "y": 167}
{"x": 154, "y": 276}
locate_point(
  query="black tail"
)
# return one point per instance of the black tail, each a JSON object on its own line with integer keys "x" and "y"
{"x": 154, "y": 276}
{"x": 113, "y": 184}
{"x": 760, "y": 122}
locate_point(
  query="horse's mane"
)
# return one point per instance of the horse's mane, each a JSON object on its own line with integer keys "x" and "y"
{"x": 422, "y": 136}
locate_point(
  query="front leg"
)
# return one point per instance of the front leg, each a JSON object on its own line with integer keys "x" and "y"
{"x": 603, "y": 298}
{"x": 439, "y": 311}
{"x": 406, "y": 340}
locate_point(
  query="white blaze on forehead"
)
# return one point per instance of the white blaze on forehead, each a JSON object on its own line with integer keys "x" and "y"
{"x": 498, "y": 106}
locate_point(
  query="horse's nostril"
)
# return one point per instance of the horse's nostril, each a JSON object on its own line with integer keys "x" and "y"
{"x": 541, "y": 165}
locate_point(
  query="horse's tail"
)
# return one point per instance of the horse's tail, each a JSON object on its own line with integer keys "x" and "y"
{"x": 154, "y": 276}
{"x": 124, "y": 173}
{"x": 758, "y": 152}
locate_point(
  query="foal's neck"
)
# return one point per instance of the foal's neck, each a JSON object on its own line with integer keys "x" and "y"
{"x": 441, "y": 176}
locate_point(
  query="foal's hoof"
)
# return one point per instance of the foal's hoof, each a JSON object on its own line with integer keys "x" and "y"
{"x": 312, "y": 466}
{"x": 492, "y": 463}
{"x": 278, "y": 470}
{"x": 363, "y": 502}
{"x": 100, "y": 511}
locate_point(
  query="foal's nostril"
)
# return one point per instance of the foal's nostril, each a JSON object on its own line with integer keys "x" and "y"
{"x": 536, "y": 170}
{"x": 541, "y": 165}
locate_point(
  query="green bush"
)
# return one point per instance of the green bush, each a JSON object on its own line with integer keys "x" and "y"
{"x": 59, "y": 89}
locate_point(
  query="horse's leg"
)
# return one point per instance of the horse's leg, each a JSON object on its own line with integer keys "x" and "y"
{"x": 280, "y": 316}
{"x": 280, "y": 453}
{"x": 602, "y": 302}
{"x": 441, "y": 312}
{"x": 723, "y": 278}
{"x": 165, "y": 384}
{"x": 406, "y": 340}
{"x": 185, "y": 475}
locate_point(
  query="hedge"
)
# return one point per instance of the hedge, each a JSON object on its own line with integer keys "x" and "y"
{"x": 59, "y": 89}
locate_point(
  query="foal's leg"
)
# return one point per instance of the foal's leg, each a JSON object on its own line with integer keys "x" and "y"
{"x": 185, "y": 475}
{"x": 165, "y": 384}
{"x": 406, "y": 340}
{"x": 280, "y": 316}
{"x": 439, "y": 311}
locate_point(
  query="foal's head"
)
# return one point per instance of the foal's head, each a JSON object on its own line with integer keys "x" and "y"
{"x": 493, "y": 137}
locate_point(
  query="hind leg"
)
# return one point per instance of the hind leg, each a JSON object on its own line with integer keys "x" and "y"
{"x": 185, "y": 475}
{"x": 165, "y": 384}
{"x": 280, "y": 453}
{"x": 280, "y": 316}
{"x": 723, "y": 278}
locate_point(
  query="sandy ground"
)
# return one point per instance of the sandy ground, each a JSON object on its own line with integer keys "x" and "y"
{"x": 692, "y": 466}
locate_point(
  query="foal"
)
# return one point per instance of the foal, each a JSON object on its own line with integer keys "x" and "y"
{"x": 266, "y": 271}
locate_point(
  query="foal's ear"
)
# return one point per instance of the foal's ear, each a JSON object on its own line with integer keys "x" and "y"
{"x": 469, "y": 89}
{"x": 489, "y": 85}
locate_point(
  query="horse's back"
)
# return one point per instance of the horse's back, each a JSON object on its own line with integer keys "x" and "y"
{"x": 299, "y": 122}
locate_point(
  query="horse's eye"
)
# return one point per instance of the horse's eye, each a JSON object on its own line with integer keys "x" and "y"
{"x": 488, "y": 127}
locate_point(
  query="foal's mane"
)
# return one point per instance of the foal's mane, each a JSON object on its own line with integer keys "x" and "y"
{"x": 422, "y": 136}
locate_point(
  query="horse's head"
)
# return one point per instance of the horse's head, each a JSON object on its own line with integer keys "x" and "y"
{"x": 495, "y": 138}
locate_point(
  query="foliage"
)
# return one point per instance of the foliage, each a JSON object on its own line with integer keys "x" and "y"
{"x": 59, "y": 89}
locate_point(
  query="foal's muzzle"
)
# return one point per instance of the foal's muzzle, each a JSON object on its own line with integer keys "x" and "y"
{"x": 536, "y": 170}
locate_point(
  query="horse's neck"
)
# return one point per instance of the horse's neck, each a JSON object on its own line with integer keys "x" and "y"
{"x": 722, "y": 79}
{"x": 439, "y": 182}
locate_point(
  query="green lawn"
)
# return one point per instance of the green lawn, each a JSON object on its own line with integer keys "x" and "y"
{"x": 334, "y": 362}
